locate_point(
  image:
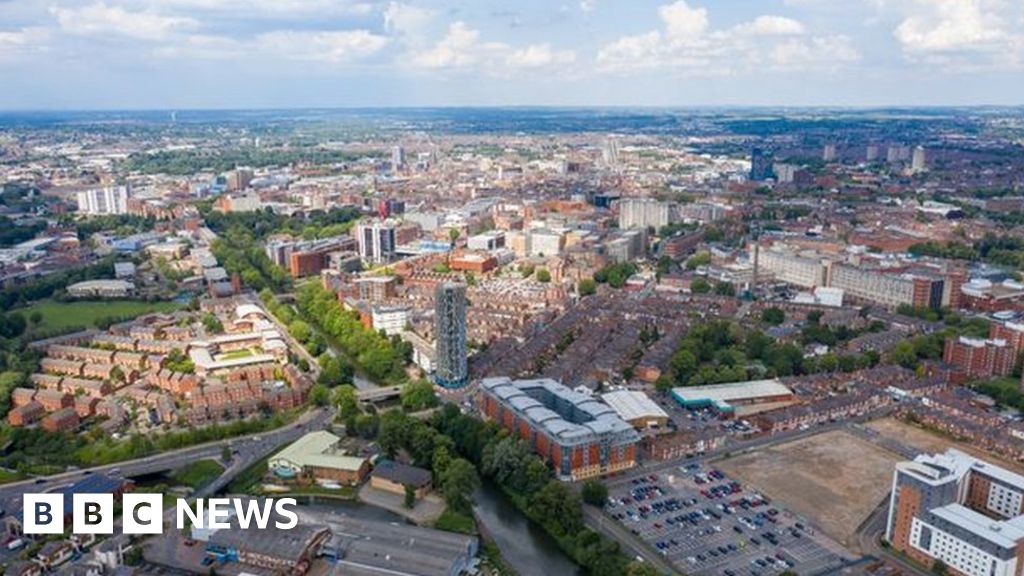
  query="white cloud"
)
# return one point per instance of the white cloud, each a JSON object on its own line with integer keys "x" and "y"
{"x": 819, "y": 51}
{"x": 460, "y": 48}
{"x": 682, "y": 23}
{"x": 539, "y": 56}
{"x": 950, "y": 25}
{"x": 263, "y": 8}
{"x": 406, "y": 19}
{"x": 101, "y": 19}
{"x": 687, "y": 42}
{"x": 334, "y": 46}
{"x": 771, "y": 26}
{"x": 587, "y": 5}
{"x": 22, "y": 41}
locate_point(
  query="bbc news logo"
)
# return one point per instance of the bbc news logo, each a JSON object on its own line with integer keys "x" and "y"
{"x": 144, "y": 513}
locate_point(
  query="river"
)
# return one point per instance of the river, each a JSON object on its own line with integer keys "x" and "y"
{"x": 524, "y": 545}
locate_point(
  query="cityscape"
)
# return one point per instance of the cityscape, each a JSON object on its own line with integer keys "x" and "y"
{"x": 513, "y": 289}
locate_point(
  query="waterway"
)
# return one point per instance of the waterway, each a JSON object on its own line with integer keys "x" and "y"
{"x": 524, "y": 545}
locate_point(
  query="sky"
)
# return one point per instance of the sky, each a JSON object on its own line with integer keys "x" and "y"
{"x": 179, "y": 54}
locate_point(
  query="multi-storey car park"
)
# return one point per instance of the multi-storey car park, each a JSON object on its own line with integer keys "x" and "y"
{"x": 579, "y": 435}
{"x": 958, "y": 510}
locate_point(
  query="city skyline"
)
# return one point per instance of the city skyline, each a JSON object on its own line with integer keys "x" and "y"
{"x": 83, "y": 55}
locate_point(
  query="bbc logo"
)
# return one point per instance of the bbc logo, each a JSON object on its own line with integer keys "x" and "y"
{"x": 92, "y": 514}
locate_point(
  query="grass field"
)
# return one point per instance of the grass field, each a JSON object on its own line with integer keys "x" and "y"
{"x": 197, "y": 474}
{"x": 57, "y": 315}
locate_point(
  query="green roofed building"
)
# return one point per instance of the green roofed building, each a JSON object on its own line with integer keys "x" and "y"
{"x": 727, "y": 398}
{"x": 317, "y": 456}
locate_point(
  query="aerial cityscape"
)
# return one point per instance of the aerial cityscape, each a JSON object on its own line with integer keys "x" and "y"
{"x": 490, "y": 289}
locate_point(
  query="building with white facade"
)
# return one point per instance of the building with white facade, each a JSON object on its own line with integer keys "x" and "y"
{"x": 644, "y": 213}
{"x": 962, "y": 511}
{"x": 103, "y": 201}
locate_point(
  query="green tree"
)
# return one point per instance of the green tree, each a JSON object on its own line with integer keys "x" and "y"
{"x": 344, "y": 397}
{"x": 700, "y": 286}
{"x": 319, "y": 395}
{"x": 410, "y": 496}
{"x": 641, "y": 569}
{"x": 587, "y": 287}
{"x": 543, "y": 275}
{"x": 300, "y": 330}
{"x": 595, "y": 493}
{"x": 773, "y": 316}
{"x": 458, "y": 482}
{"x": 418, "y": 395}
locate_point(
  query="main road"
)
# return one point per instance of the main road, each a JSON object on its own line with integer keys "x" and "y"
{"x": 246, "y": 450}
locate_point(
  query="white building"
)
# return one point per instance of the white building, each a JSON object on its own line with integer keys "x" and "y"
{"x": 104, "y": 201}
{"x": 391, "y": 319}
{"x": 959, "y": 510}
{"x": 644, "y": 213}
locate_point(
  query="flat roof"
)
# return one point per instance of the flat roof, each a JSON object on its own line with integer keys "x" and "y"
{"x": 633, "y": 405}
{"x": 319, "y": 449}
{"x": 722, "y": 394}
{"x": 1002, "y": 533}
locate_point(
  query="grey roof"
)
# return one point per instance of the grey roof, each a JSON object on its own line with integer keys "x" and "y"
{"x": 401, "y": 473}
{"x": 570, "y": 417}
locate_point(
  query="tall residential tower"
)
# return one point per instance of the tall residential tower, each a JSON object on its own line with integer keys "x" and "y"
{"x": 451, "y": 368}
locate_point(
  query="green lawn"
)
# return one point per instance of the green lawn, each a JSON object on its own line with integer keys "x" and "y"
{"x": 57, "y": 315}
{"x": 10, "y": 476}
{"x": 452, "y": 521}
{"x": 197, "y": 474}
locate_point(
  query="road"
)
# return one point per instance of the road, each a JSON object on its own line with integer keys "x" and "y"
{"x": 609, "y": 527}
{"x": 869, "y": 535}
{"x": 250, "y": 450}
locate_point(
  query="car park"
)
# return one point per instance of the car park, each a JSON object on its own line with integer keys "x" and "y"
{"x": 706, "y": 523}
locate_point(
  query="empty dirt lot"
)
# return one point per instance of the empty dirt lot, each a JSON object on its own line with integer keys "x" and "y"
{"x": 833, "y": 479}
{"x": 930, "y": 442}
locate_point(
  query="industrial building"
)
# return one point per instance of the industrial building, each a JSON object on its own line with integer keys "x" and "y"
{"x": 362, "y": 547}
{"x": 959, "y": 510}
{"x": 727, "y": 398}
{"x": 636, "y": 408}
{"x": 580, "y": 436}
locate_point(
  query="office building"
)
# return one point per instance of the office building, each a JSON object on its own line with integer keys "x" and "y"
{"x": 492, "y": 240}
{"x": 578, "y": 435}
{"x": 887, "y": 288}
{"x": 397, "y": 158}
{"x": 791, "y": 268}
{"x": 610, "y": 154}
{"x": 919, "y": 161}
{"x": 239, "y": 179}
{"x": 631, "y": 245}
{"x": 104, "y": 201}
{"x": 391, "y": 319}
{"x": 760, "y": 165}
{"x": 451, "y": 367}
{"x": 377, "y": 241}
{"x": 644, "y": 213}
{"x": 828, "y": 154}
{"x": 545, "y": 242}
{"x": 871, "y": 154}
{"x": 958, "y": 510}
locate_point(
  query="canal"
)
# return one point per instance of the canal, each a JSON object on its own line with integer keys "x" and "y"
{"x": 524, "y": 545}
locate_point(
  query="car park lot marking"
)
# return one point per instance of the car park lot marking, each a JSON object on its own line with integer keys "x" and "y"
{"x": 706, "y": 523}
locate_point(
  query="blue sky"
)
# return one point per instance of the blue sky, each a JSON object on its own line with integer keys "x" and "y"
{"x": 85, "y": 54}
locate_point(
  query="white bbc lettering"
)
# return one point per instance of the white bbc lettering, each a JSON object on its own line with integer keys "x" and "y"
{"x": 43, "y": 513}
{"x": 143, "y": 513}
{"x": 92, "y": 514}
